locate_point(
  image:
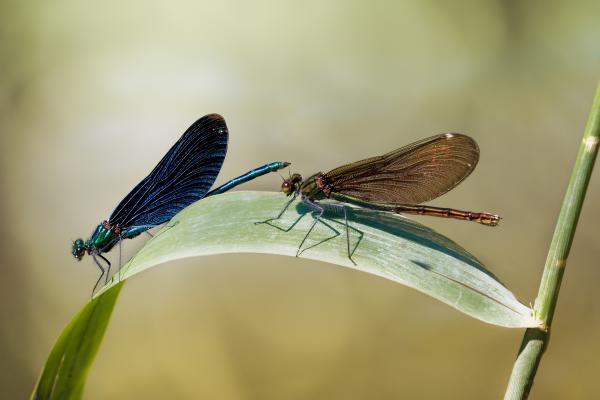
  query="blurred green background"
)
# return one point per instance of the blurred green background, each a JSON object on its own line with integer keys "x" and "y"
{"x": 93, "y": 93}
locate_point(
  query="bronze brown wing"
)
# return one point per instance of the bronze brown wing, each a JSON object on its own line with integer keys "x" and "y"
{"x": 413, "y": 174}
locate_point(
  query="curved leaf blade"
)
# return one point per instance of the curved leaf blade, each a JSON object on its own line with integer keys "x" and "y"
{"x": 69, "y": 361}
{"x": 392, "y": 246}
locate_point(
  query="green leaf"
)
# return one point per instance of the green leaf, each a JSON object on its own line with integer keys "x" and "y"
{"x": 392, "y": 246}
{"x": 67, "y": 366}
{"x": 387, "y": 245}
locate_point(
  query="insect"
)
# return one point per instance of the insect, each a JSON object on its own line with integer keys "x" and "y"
{"x": 183, "y": 176}
{"x": 396, "y": 182}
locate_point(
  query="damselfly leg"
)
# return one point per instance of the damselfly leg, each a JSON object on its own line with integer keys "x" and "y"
{"x": 321, "y": 210}
{"x": 336, "y": 208}
{"x": 104, "y": 272}
{"x": 283, "y": 210}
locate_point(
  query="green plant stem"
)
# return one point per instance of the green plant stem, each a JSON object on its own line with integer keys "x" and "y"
{"x": 536, "y": 340}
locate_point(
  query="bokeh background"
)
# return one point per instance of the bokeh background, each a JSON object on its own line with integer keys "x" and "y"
{"x": 93, "y": 93}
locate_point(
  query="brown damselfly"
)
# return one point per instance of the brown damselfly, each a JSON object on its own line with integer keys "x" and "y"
{"x": 396, "y": 182}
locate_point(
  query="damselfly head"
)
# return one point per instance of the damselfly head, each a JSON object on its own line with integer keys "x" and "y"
{"x": 291, "y": 184}
{"x": 78, "y": 249}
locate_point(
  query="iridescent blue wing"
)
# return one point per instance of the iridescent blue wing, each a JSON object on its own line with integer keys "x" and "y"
{"x": 183, "y": 176}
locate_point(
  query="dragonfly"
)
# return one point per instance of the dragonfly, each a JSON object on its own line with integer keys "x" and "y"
{"x": 184, "y": 175}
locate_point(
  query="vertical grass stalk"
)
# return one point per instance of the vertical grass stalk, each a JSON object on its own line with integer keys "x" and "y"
{"x": 536, "y": 340}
